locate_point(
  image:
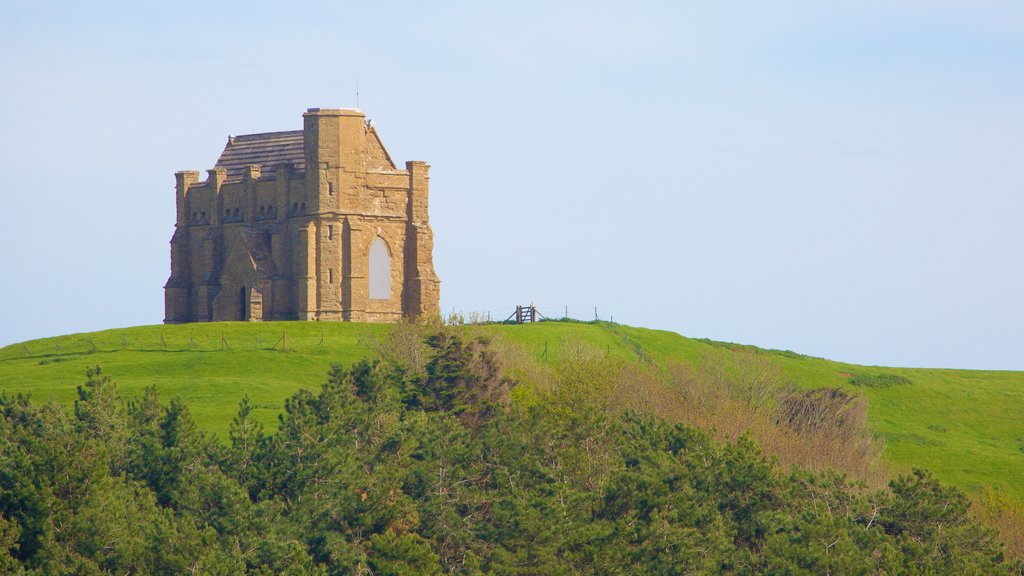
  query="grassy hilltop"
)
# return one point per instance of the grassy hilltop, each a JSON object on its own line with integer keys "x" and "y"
{"x": 964, "y": 425}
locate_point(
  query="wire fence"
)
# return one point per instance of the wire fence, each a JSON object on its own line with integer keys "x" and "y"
{"x": 271, "y": 336}
{"x": 506, "y": 314}
{"x": 196, "y": 338}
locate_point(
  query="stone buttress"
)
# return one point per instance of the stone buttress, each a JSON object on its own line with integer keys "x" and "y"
{"x": 311, "y": 224}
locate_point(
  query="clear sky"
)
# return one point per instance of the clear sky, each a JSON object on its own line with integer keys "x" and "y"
{"x": 843, "y": 179}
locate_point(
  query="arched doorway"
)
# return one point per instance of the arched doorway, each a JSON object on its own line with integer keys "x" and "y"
{"x": 380, "y": 270}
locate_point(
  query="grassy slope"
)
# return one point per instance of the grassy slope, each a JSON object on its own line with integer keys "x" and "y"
{"x": 190, "y": 363}
{"x": 963, "y": 425}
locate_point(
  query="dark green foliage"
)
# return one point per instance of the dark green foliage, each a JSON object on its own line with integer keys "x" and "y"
{"x": 463, "y": 379}
{"x": 883, "y": 380}
{"x": 387, "y": 471}
{"x": 755, "y": 349}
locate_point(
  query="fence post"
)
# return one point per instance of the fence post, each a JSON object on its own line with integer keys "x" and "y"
{"x": 284, "y": 341}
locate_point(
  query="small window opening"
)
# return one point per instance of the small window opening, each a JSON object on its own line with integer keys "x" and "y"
{"x": 236, "y": 212}
{"x": 330, "y": 275}
{"x": 330, "y": 232}
{"x": 330, "y": 188}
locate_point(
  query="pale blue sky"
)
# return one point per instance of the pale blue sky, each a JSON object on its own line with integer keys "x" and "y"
{"x": 843, "y": 179}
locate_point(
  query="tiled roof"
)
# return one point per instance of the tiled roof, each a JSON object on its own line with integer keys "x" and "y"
{"x": 267, "y": 149}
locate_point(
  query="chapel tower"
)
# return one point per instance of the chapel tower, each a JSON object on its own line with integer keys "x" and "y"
{"x": 311, "y": 224}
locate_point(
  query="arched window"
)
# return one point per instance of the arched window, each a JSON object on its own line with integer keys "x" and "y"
{"x": 241, "y": 303}
{"x": 380, "y": 271}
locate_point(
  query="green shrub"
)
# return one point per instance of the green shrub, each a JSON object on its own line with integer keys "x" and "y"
{"x": 882, "y": 380}
{"x": 388, "y": 470}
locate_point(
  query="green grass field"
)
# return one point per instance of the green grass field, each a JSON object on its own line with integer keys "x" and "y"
{"x": 964, "y": 425}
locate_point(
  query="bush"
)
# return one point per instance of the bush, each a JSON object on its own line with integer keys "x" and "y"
{"x": 883, "y": 380}
{"x": 389, "y": 469}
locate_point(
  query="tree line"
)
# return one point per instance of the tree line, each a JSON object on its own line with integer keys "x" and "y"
{"x": 392, "y": 468}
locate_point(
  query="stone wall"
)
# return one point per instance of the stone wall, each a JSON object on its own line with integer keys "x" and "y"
{"x": 281, "y": 231}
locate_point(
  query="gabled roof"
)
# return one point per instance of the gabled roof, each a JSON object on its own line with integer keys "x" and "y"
{"x": 378, "y": 152}
{"x": 267, "y": 149}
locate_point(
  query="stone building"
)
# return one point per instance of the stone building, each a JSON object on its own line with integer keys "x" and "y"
{"x": 311, "y": 224}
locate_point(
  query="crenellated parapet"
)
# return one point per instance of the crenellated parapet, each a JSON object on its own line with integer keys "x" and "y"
{"x": 301, "y": 225}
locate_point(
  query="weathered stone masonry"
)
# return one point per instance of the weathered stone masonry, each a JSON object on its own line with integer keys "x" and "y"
{"x": 284, "y": 224}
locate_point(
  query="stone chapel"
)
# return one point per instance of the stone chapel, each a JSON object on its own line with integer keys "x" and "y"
{"x": 311, "y": 224}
